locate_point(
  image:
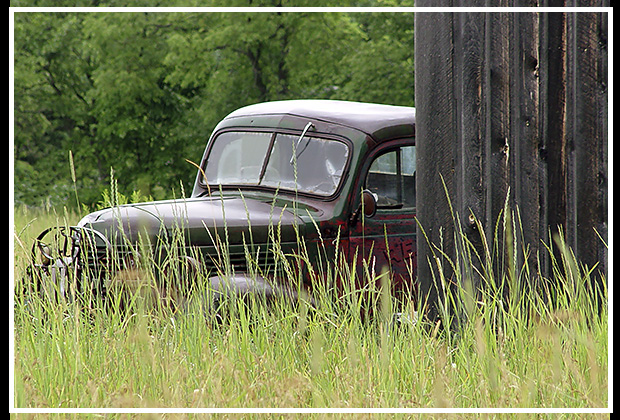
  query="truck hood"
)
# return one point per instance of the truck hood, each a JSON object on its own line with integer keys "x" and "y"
{"x": 198, "y": 221}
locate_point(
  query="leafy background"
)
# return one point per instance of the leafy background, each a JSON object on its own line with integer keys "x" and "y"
{"x": 133, "y": 94}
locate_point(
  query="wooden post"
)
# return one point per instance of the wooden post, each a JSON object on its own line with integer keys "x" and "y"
{"x": 510, "y": 106}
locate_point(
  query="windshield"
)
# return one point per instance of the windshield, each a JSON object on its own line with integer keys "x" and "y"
{"x": 310, "y": 165}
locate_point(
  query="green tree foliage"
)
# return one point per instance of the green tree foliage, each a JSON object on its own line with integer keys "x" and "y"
{"x": 140, "y": 92}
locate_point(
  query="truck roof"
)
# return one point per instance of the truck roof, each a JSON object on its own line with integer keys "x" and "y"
{"x": 377, "y": 120}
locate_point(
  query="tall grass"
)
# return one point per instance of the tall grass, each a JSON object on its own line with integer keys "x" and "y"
{"x": 515, "y": 350}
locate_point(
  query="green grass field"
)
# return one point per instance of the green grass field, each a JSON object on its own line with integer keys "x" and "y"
{"x": 516, "y": 353}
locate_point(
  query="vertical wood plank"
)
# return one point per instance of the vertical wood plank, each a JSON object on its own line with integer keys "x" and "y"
{"x": 555, "y": 137}
{"x": 469, "y": 68}
{"x": 525, "y": 144}
{"x": 435, "y": 154}
{"x": 587, "y": 139}
{"x": 498, "y": 126}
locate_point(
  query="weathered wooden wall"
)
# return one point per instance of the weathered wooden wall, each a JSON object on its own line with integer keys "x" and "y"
{"x": 512, "y": 105}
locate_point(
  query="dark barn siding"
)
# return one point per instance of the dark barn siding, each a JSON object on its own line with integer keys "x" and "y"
{"x": 512, "y": 105}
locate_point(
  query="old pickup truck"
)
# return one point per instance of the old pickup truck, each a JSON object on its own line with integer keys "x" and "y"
{"x": 283, "y": 189}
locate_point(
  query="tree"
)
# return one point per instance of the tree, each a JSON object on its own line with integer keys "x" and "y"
{"x": 141, "y": 92}
{"x": 52, "y": 112}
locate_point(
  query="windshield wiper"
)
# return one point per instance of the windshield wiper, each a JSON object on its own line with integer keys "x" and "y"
{"x": 303, "y": 133}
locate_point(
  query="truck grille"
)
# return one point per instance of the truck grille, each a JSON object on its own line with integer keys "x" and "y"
{"x": 240, "y": 262}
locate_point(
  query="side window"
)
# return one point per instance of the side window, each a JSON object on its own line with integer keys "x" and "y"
{"x": 392, "y": 179}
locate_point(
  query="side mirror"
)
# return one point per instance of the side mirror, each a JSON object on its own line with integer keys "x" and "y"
{"x": 369, "y": 203}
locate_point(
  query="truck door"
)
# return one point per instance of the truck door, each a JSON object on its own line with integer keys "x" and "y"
{"x": 385, "y": 243}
